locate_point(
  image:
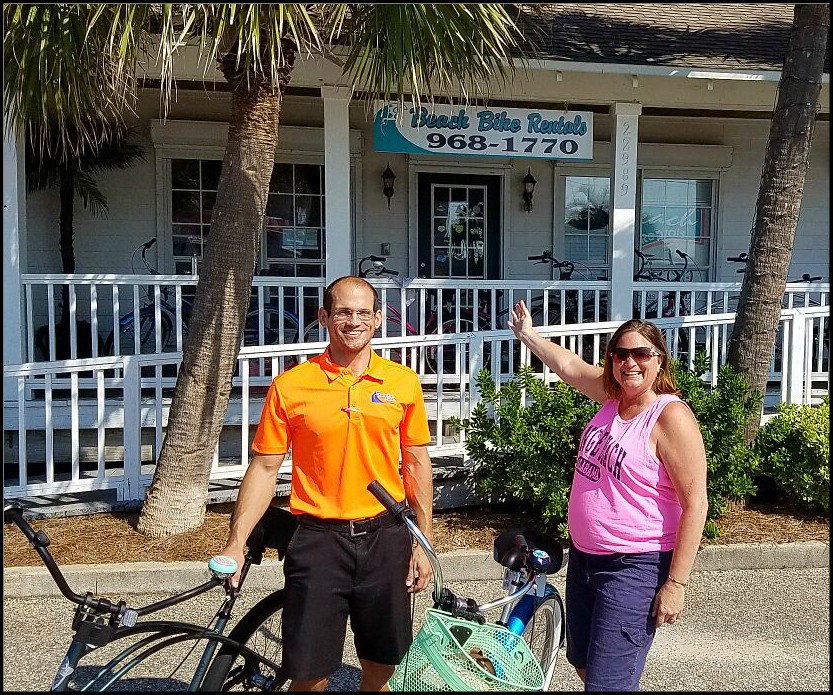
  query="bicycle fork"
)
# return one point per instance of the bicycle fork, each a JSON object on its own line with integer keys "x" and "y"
{"x": 516, "y": 615}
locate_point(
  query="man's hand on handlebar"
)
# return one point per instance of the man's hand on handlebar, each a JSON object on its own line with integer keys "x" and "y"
{"x": 419, "y": 571}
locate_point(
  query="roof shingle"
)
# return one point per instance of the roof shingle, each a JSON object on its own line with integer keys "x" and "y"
{"x": 726, "y": 36}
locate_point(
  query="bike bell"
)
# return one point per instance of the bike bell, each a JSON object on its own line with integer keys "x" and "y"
{"x": 539, "y": 560}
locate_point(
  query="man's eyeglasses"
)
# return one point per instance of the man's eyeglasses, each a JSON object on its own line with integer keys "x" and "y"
{"x": 363, "y": 315}
{"x": 640, "y": 354}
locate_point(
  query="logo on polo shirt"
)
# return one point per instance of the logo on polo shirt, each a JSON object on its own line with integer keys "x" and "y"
{"x": 379, "y": 397}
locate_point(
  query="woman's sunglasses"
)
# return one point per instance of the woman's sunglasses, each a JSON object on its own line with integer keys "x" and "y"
{"x": 640, "y": 354}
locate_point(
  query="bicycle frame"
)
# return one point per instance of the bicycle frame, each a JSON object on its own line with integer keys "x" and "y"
{"x": 98, "y": 621}
{"x": 445, "y": 599}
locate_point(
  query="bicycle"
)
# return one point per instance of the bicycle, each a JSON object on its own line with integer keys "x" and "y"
{"x": 449, "y": 324}
{"x": 820, "y": 349}
{"x": 552, "y": 314}
{"x": 457, "y": 649}
{"x": 99, "y": 621}
{"x": 279, "y": 324}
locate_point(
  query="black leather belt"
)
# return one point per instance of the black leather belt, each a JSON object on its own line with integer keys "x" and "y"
{"x": 351, "y": 527}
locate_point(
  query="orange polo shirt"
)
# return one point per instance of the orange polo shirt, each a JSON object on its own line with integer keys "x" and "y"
{"x": 344, "y": 432}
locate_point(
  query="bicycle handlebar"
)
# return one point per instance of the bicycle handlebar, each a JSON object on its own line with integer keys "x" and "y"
{"x": 444, "y": 598}
{"x": 742, "y": 258}
{"x": 377, "y": 267}
{"x": 125, "y": 615}
{"x": 566, "y": 267}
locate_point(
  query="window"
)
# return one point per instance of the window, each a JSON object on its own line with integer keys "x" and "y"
{"x": 294, "y": 237}
{"x": 293, "y": 244}
{"x": 676, "y": 217}
{"x": 193, "y": 194}
{"x": 587, "y": 225}
{"x": 458, "y": 219}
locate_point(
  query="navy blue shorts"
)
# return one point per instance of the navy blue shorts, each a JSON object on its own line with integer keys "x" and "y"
{"x": 330, "y": 575}
{"x": 608, "y": 614}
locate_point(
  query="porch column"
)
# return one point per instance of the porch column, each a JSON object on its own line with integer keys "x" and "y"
{"x": 14, "y": 230}
{"x": 337, "y": 181}
{"x": 623, "y": 208}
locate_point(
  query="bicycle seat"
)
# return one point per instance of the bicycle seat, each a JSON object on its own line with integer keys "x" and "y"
{"x": 506, "y": 548}
{"x": 274, "y": 530}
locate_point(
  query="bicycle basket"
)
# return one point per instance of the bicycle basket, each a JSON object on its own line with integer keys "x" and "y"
{"x": 455, "y": 655}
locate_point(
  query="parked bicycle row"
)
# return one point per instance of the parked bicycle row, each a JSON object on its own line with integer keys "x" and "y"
{"x": 157, "y": 314}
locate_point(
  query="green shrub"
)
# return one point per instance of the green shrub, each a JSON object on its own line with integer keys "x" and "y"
{"x": 527, "y": 453}
{"x": 794, "y": 446}
{"x": 722, "y": 413}
{"x": 524, "y": 450}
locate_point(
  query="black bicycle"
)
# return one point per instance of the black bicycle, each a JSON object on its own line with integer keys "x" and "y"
{"x": 469, "y": 321}
{"x": 249, "y": 658}
{"x": 272, "y": 325}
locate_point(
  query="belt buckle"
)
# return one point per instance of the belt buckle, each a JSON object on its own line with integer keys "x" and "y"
{"x": 353, "y": 532}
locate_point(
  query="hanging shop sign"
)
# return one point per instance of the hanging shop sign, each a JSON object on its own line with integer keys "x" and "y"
{"x": 484, "y": 132}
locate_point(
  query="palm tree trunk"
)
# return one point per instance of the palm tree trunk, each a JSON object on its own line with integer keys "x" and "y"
{"x": 177, "y": 496}
{"x": 779, "y": 200}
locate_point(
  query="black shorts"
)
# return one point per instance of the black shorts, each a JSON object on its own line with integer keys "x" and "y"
{"x": 330, "y": 575}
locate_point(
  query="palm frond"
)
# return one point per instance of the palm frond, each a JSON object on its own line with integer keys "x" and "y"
{"x": 91, "y": 196}
{"x": 61, "y": 75}
{"x": 428, "y": 49}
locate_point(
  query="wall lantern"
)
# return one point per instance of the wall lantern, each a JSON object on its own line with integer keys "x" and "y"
{"x": 387, "y": 183}
{"x": 529, "y": 188}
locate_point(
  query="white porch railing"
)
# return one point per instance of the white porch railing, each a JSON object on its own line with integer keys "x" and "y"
{"x": 105, "y": 310}
{"x": 98, "y": 423}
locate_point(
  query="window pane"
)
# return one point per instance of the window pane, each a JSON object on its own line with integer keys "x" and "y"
{"x": 676, "y": 192}
{"x": 211, "y": 174}
{"x": 307, "y": 178}
{"x": 587, "y": 224}
{"x": 185, "y": 207}
{"x": 208, "y": 201}
{"x": 676, "y": 219}
{"x": 653, "y": 190}
{"x": 307, "y": 211}
{"x": 185, "y": 173}
{"x": 279, "y": 211}
{"x": 281, "y": 181}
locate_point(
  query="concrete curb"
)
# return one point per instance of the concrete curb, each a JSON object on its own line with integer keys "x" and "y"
{"x": 160, "y": 577}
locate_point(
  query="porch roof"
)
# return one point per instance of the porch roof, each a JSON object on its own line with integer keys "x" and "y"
{"x": 726, "y": 36}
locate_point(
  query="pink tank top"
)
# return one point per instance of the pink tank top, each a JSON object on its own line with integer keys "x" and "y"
{"x": 622, "y": 500}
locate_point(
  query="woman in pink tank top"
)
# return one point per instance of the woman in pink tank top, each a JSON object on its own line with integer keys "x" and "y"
{"x": 637, "y": 504}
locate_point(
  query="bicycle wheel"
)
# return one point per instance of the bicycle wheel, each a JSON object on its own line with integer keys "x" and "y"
{"x": 147, "y": 334}
{"x": 272, "y": 320}
{"x": 449, "y": 352}
{"x": 544, "y": 633}
{"x": 261, "y": 630}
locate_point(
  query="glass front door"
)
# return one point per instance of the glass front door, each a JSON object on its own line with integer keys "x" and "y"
{"x": 459, "y": 226}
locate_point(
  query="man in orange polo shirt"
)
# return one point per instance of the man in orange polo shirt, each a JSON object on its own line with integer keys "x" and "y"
{"x": 348, "y": 415}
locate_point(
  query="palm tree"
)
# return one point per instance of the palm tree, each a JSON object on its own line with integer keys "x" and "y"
{"x": 386, "y": 51}
{"x": 74, "y": 173}
{"x": 779, "y": 199}
{"x": 391, "y": 49}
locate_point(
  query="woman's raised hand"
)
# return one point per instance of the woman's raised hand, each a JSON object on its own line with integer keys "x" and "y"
{"x": 521, "y": 319}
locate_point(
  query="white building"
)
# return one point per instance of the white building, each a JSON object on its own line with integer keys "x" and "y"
{"x": 669, "y": 107}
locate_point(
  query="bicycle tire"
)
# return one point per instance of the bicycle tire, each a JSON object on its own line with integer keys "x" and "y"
{"x": 260, "y": 629}
{"x": 147, "y": 334}
{"x": 450, "y": 351}
{"x": 272, "y": 319}
{"x": 545, "y": 632}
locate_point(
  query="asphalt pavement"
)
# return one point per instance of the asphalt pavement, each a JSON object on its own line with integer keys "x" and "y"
{"x": 757, "y": 618}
